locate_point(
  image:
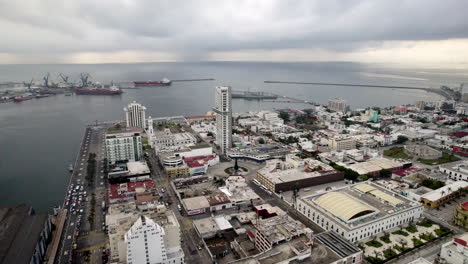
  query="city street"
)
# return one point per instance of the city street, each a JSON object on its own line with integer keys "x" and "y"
{"x": 79, "y": 236}
{"x": 189, "y": 238}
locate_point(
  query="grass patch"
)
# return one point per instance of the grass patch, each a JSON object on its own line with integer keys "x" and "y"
{"x": 412, "y": 229}
{"x": 444, "y": 159}
{"x": 400, "y": 232}
{"x": 425, "y": 223}
{"x": 416, "y": 242}
{"x": 427, "y": 236}
{"x": 374, "y": 260}
{"x": 441, "y": 231}
{"x": 396, "y": 153}
{"x": 432, "y": 184}
{"x": 386, "y": 239}
{"x": 374, "y": 243}
{"x": 400, "y": 248}
{"x": 388, "y": 253}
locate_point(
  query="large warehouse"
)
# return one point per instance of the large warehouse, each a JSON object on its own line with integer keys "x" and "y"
{"x": 359, "y": 211}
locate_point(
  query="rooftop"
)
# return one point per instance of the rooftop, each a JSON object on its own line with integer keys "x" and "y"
{"x": 194, "y": 203}
{"x": 444, "y": 191}
{"x": 20, "y": 229}
{"x": 360, "y": 203}
{"x": 118, "y": 191}
{"x": 374, "y": 165}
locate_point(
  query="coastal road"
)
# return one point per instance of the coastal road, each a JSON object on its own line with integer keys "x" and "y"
{"x": 77, "y": 228}
{"x": 77, "y": 177}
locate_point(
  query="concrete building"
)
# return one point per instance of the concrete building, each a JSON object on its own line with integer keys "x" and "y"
{"x": 147, "y": 243}
{"x": 130, "y": 171}
{"x": 274, "y": 230}
{"x": 24, "y": 235}
{"x": 457, "y": 172}
{"x": 281, "y": 176}
{"x": 124, "y": 145}
{"x": 423, "y": 152}
{"x": 165, "y": 139}
{"x": 455, "y": 251}
{"x": 338, "y": 105}
{"x": 135, "y": 115}
{"x": 342, "y": 143}
{"x": 359, "y": 211}
{"x": 444, "y": 194}
{"x": 375, "y": 166}
{"x": 223, "y": 110}
{"x": 461, "y": 215}
{"x": 122, "y": 216}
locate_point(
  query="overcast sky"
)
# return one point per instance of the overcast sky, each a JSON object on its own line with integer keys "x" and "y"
{"x": 414, "y": 32}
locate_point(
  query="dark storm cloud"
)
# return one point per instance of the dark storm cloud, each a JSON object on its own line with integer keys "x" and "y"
{"x": 195, "y": 28}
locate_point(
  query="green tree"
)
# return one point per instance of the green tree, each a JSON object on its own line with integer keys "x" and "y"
{"x": 401, "y": 139}
{"x": 284, "y": 116}
{"x": 385, "y": 173}
{"x": 261, "y": 141}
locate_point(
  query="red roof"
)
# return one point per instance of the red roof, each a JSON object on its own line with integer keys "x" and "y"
{"x": 464, "y": 206}
{"x": 119, "y": 191}
{"x": 198, "y": 161}
{"x": 459, "y": 134}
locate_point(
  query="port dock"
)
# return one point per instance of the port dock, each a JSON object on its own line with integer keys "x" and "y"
{"x": 449, "y": 94}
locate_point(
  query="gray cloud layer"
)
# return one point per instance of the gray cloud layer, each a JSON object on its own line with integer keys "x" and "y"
{"x": 197, "y": 28}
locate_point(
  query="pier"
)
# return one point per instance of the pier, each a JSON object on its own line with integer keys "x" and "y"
{"x": 194, "y": 80}
{"x": 440, "y": 92}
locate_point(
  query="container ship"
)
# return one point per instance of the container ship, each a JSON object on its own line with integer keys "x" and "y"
{"x": 164, "y": 82}
{"x": 24, "y": 98}
{"x": 113, "y": 90}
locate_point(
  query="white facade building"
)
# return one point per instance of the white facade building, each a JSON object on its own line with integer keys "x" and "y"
{"x": 135, "y": 115}
{"x": 124, "y": 145}
{"x": 146, "y": 243}
{"x": 223, "y": 110}
{"x": 359, "y": 211}
{"x": 338, "y": 105}
{"x": 455, "y": 251}
{"x": 458, "y": 172}
{"x": 168, "y": 140}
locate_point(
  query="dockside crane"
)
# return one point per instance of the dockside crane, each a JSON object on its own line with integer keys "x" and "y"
{"x": 84, "y": 79}
{"x": 46, "y": 80}
{"x": 29, "y": 85}
{"x": 64, "y": 78}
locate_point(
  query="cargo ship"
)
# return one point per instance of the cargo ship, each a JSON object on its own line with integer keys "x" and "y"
{"x": 21, "y": 99}
{"x": 113, "y": 90}
{"x": 164, "y": 82}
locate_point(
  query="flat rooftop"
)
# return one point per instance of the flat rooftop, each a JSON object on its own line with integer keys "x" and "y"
{"x": 20, "y": 230}
{"x": 374, "y": 165}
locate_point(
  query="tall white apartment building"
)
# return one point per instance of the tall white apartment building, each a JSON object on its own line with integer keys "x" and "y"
{"x": 223, "y": 110}
{"x": 338, "y": 105}
{"x": 124, "y": 145}
{"x": 147, "y": 243}
{"x": 135, "y": 115}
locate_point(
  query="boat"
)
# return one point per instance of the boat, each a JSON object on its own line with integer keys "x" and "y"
{"x": 41, "y": 95}
{"x": 163, "y": 82}
{"x": 68, "y": 94}
{"x": 113, "y": 90}
{"x": 21, "y": 99}
{"x": 70, "y": 168}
